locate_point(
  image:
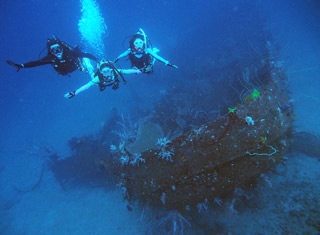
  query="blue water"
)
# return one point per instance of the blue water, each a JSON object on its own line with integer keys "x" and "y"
{"x": 34, "y": 112}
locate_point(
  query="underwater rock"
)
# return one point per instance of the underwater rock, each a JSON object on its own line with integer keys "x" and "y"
{"x": 307, "y": 143}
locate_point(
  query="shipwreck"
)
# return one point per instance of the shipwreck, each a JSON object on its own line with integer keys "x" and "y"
{"x": 210, "y": 161}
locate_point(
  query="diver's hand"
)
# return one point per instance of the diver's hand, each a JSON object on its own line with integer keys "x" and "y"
{"x": 172, "y": 65}
{"x": 136, "y": 71}
{"x": 17, "y": 66}
{"x": 69, "y": 95}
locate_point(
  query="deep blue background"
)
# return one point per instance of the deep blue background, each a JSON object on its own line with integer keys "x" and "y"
{"x": 186, "y": 32}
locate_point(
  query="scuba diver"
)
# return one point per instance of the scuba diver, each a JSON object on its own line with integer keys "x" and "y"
{"x": 107, "y": 75}
{"x": 63, "y": 58}
{"x": 141, "y": 54}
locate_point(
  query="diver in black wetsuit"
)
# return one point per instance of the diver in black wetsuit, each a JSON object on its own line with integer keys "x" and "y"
{"x": 63, "y": 58}
{"x": 141, "y": 54}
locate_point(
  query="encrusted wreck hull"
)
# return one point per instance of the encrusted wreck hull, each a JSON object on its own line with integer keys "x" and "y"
{"x": 214, "y": 159}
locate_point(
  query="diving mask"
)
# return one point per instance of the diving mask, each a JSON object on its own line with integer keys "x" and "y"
{"x": 56, "y": 50}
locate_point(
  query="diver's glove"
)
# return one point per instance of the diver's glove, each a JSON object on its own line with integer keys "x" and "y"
{"x": 171, "y": 65}
{"x": 17, "y": 66}
{"x": 69, "y": 95}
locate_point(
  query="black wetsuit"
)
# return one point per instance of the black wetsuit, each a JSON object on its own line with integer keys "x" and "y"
{"x": 70, "y": 61}
{"x": 140, "y": 63}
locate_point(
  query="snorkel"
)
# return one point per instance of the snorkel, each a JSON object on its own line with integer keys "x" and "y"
{"x": 144, "y": 36}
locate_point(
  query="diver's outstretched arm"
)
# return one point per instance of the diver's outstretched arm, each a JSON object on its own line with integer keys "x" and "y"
{"x": 81, "y": 54}
{"x": 81, "y": 89}
{"x": 127, "y": 52}
{"x": 45, "y": 60}
{"x": 130, "y": 71}
{"x": 88, "y": 67}
{"x": 153, "y": 54}
{"x": 77, "y": 52}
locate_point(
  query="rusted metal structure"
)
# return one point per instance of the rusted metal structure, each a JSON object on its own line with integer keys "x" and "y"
{"x": 212, "y": 160}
